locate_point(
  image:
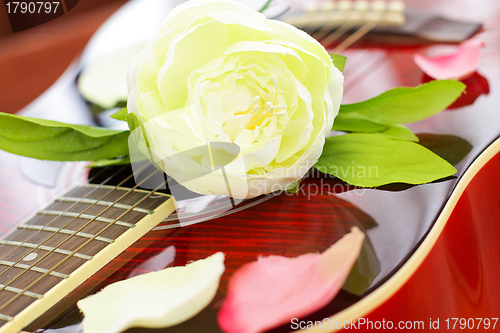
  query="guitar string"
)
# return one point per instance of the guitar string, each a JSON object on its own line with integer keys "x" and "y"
{"x": 349, "y": 41}
{"x": 68, "y": 222}
{"x": 58, "y": 216}
{"x": 37, "y": 209}
{"x": 324, "y": 31}
{"x": 354, "y": 37}
{"x": 38, "y": 216}
{"x": 88, "y": 241}
{"x": 352, "y": 40}
{"x": 362, "y": 31}
{"x": 70, "y": 237}
{"x": 363, "y": 74}
{"x": 53, "y": 234}
{"x": 337, "y": 33}
{"x": 115, "y": 174}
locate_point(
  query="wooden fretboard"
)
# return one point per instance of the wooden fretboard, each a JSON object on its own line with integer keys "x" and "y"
{"x": 49, "y": 256}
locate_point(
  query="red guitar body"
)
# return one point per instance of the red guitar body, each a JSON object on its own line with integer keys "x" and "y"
{"x": 458, "y": 278}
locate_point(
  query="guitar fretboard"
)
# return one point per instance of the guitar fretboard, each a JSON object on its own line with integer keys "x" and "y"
{"x": 63, "y": 245}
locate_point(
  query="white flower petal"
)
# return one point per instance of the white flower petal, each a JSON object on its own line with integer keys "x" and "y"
{"x": 159, "y": 299}
{"x": 187, "y": 51}
{"x": 227, "y": 74}
{"x": 104, "y": 82}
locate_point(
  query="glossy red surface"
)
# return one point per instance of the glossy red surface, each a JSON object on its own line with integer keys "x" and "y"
{"x": 459, "y": 278}
{"x": 287, "y": 225}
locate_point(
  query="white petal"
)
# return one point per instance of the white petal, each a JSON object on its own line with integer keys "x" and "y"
{"x": 104, "y": 82}
{"x": 159, "y": 299}
{"x": 187, "y": 52}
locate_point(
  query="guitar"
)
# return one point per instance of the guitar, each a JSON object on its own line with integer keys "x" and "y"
{"x": 407, "y": 249}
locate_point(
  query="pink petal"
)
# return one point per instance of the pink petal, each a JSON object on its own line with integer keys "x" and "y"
{"x": 457, "y": 65}
{"x": 273, "y": 290}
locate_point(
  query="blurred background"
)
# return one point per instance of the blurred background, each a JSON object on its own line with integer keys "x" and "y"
{"x": 33, "y": 59}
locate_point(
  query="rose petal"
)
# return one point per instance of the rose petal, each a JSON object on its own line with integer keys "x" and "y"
{"x": 159, "y": 299}
{"x": 104, "y": 82}
{"x": 208, "y": 50}
{"x": 457, "y": 65}
{"x": 273, "y": 290}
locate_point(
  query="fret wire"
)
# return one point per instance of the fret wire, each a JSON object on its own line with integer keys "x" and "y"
{"x": 6, "y": 318}
{"x": 69, "y": 237}
{"x": 86, "y": 217}
{"x": 50, "y": 249}
{"x": 118, "y": 188}
{"x": 104, "y": 203}
{"x": 55, "y": 218}
{"x": 35, "y": 269}
{"x": 64, "y": 231}
{"x": 64, "y": 241}
{"x": 45, "y": 248}
{"x": 107, "y": 193}
{"x": 68, "y": 251}
{"x": 84, "y": 244}
{"x": 20, "y": 291}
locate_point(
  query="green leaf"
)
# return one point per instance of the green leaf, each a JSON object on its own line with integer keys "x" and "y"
{"x": 120, "y": 114}
{"x": 293, "y": 188}
{"x": 56, "y": 141}
{"x": 266, "y": 5}
{"x": 96, "y": 109}
{"x": 338, "y": 61}
{"x": 112, "y": 162}
{"x": 354, "y": 122}
{"x": 370, "y": 160}
{"x": 407, "y": 105}
{"x": 399, "y": 132}
{"x": 133, "y": 121}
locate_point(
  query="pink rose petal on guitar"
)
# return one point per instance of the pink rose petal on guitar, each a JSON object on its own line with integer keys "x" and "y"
{"x": 273, "y": 290}
{"x": 457, "y": 65}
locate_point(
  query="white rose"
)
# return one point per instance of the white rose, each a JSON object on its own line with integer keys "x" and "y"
{"x": 256, "y": 90}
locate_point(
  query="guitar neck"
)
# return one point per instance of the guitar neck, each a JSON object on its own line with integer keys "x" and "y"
{"x": 49, "y": 256}
{"x": 351, "y": 13}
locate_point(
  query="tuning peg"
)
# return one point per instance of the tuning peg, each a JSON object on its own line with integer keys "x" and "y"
{"x": 311, "y": 7}
{"x": 361, "y": 5}
{"x": 378, "y": 5}
{"x": 344, "y": 5}
{"x": 396, "y": 6}
{"x": 328, "y": 5}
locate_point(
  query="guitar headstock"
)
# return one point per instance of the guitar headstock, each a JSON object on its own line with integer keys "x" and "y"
{"x": 334, "y": 13}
